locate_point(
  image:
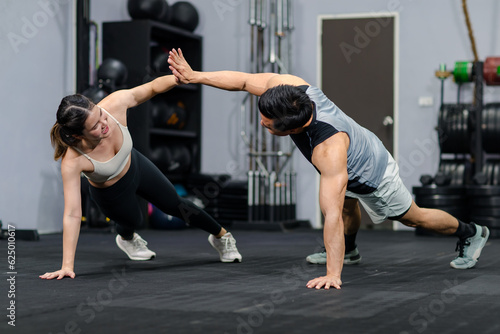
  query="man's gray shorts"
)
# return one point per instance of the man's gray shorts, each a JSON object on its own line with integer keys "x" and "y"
{"x": 391, "y": 200}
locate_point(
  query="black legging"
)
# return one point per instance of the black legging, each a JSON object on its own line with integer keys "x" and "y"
{"x": 119, "y": 202}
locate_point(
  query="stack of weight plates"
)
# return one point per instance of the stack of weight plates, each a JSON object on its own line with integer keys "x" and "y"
{"x": 232, "y": 202}
{"x": 451, "y": 199}
{"x": 224, "y": 199}
{"x": 484, "y": 207}
{"x": 490, "y": 128}
{"x": 453, "y": 128}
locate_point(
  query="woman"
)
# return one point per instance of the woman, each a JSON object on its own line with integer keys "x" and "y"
{"x": 94, "y": 140}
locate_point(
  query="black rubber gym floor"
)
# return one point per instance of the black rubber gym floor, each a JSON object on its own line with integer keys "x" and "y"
{"x": 403, "y": 285}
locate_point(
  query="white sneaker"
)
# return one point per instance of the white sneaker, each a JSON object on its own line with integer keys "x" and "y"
{"x": 226, "y": 246}
{"x": 136, "y": 248}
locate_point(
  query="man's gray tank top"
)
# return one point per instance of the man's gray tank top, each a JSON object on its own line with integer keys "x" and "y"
{"x": 366, "y": 157}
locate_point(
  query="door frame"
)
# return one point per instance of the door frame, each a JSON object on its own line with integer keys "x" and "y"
{"x": 318, "y": 223}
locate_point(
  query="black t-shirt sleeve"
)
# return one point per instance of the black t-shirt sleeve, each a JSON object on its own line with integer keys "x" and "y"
{"x": 303, "y": 87}
{"x": 322, "y": 132}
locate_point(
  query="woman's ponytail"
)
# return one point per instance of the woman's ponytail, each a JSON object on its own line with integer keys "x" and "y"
{"x": 71, "y": 116}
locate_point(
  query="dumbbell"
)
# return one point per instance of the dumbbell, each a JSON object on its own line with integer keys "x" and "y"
{"x": 442, "y": 179}
{"x": 426, "y": 179}
{"x": 480, "y": 179}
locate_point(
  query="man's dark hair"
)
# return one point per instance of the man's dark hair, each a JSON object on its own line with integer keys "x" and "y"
{"x": 288, "y": 106}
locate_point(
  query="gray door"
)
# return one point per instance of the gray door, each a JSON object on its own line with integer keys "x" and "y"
{"x": 357, "y": 73}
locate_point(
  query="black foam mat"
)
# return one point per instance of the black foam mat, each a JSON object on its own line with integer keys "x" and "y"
{"x": 403, "y": 285}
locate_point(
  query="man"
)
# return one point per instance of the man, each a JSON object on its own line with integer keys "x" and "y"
{"x": 353, "y": 163}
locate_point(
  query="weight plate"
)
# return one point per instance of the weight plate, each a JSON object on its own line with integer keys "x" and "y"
{"x": 484, "y": 127}
{"x": 494, "y": 233}
{"x": 463, "y": 71}
{"x": 445, "y": 129}
{"x": 489, "y": 170}
{"x": 497, "y": 128}
{"x": 454, "y": 128}
{"x": 488, "y": 128}
{"x": 491, "y": 71}
{"x": 441, "y": 126}
{"x": 462, "y": 131}
{"x": 491, "y": 222}
{"x": 459, "y": 175}
{"x": 493, "y": 133}
{"x": 433, "y": 190}
{"x": 449, "y": 168}
{"x": 488, "y": 212}
{"x": 484, "y": 201}
{"x": 456, "y": 132}
{"x": 491, "y": 128}
{"x": 461, "y": 212}
{"x": 496, "y": 174}
{"x": 467, "y": 131}
{"x": 437, "y": 201}
{"x": 453, "y": 173}
{"x": 443, "y": 165}
{"x": 483, "y": 191}
{"x": 493, "y": 145}
{"x": 442, "y": 113}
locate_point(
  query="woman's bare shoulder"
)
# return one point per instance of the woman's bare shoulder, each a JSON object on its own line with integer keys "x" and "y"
{"x": 74, "y": 162}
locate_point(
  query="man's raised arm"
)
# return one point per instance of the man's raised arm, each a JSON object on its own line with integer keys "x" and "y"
{"x": 254, "y": 83}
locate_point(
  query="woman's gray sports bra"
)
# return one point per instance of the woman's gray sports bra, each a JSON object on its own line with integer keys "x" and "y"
{"x": 104, "y": 171}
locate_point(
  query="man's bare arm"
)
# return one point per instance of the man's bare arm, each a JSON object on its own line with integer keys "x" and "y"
{"x": 330, "y": 157}
{"x": 254, "y": 83}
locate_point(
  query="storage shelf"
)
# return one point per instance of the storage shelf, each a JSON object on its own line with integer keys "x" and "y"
{"x": 137, "y": 43}
{"x": 163, "y": 28}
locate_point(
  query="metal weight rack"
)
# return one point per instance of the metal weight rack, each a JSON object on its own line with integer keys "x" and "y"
{"x": 467, "y": 184}
{"x": 271, "y": 177}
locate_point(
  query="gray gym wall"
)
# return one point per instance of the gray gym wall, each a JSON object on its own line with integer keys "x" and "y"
{"x": 36, "y": 71}
{"x": 34, "y": 79}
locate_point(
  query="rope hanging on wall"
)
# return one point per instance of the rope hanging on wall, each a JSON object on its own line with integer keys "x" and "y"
{"x": 469, "y": 28}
